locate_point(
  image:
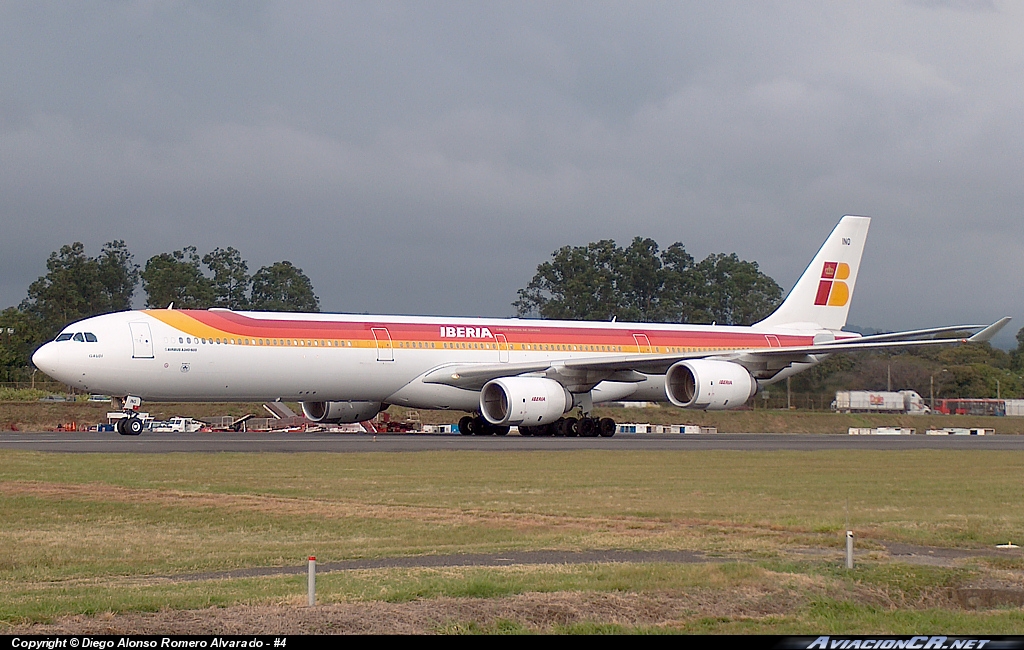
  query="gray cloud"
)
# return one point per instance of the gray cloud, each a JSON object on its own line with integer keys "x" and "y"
{"x": 424, "y": 158}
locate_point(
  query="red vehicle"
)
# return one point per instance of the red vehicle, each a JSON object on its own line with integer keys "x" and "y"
{"x": 960, "y": 406}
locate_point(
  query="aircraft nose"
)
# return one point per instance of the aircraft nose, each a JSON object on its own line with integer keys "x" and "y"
{"x": 47, "y": 359}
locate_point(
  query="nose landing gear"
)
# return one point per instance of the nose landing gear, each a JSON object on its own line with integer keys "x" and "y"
{"x": 130, "y": 425}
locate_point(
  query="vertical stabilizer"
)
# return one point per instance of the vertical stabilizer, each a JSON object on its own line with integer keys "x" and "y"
{"x": 822, "y": 294}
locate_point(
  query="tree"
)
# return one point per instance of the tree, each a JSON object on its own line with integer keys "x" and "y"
{"x": 118, "y": 274}
{"x": 230, "y": 278}
{"x": 69, "y": 291}
{"x": 283, "y": 287}
{"x": 179, "y": 277}
{"x": 733, "y": 291}
{"x": 77, "y": 286}
{"x": 20, "y": 335}
{"x": 176, "y": 278}
{"x": 578, "y": 283}
{"x": 600, "y": 281}
{"x": 1017, "y": 356}
{"x": 640, "y": 280}
{"x": 680, "y": 287}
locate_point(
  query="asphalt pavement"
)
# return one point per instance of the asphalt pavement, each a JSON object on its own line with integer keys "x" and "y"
{"x": 93, "y": 442}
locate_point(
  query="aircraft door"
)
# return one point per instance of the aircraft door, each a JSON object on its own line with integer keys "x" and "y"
{"x": 385, "y": 350}
{"x": 502, "y": 348}
{"x": 643, "y": 344}
{"x": 142, "y": 341}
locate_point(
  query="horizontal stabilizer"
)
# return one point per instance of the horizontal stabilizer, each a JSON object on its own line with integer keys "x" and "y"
{"x": 915, "y": 334}
{"x": 986, "y": 334}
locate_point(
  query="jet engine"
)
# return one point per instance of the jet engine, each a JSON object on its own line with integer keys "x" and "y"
{"x": 530, "y": 401}
{"x": 340, "y": 412}
{"x": 708, "y": 384}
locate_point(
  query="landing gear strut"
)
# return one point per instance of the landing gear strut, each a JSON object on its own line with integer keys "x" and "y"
{"x": 130, "y": 425}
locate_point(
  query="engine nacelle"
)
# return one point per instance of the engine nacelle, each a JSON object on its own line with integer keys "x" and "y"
{"x": 709, "y": 385}
{"x": 531, "y": 401}
{"x": 340, "y": 412}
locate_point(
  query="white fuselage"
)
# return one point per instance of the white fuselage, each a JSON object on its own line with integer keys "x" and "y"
{"x": 218, "y": 355}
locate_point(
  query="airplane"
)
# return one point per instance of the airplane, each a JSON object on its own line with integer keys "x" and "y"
{"x": 507, "y": 372}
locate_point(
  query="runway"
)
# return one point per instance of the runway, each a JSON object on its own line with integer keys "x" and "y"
{"x": 157, "y": 443}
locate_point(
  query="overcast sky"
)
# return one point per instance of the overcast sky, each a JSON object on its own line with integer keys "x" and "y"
{"x": 424, "y": 158}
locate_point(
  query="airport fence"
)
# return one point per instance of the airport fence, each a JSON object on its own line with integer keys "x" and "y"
{"x": 777, "y": 399}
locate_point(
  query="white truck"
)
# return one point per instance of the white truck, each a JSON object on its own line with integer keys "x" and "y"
{"x": 176, "y": 424}
{"x": 866, "y": 401}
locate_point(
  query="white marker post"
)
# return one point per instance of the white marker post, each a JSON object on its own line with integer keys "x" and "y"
{"x": 849, "y": 549}
{"x": 312, "y": 580}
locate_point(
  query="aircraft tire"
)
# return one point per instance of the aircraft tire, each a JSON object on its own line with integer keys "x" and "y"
{"x": 465, "y": 425}
{"x": 482, "y": 427}
{"x": 570, "y": 427}
{"x": 502, "y": 430}
{"x": 133, "y": 426}
{"x": 588, "y": 428}
{"x": 606, "y": 427}
{"x": 119, "y": 426}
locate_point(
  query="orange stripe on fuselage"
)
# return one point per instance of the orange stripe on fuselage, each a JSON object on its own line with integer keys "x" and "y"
{"x": 224, "y": 324}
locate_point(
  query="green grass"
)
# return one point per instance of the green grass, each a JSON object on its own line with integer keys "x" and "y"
{"x": 85, "y": 534}
{"x": 826, "y": 605}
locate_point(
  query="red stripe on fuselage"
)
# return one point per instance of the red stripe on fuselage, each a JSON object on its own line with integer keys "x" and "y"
{"x": 231, "y": 323}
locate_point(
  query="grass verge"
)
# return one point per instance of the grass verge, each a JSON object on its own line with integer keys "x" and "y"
{"x": 88, "y": 534}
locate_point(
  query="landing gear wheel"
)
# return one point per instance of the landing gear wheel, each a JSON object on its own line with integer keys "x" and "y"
{"x": 465, "y": 425}
{"x": 606, "y": 427}
{"x": 588, "y": 428}
{"x": 133, "y": 426}
{"x": 119, "y": 426}
{"x": 501, "y": 430}
{"x": 570, "y": 427}
{"x": 525, "y": 430}
{"x": 481, "y": 427}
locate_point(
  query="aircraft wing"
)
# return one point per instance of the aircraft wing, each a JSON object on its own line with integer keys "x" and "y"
{"x": 634, "y": 368}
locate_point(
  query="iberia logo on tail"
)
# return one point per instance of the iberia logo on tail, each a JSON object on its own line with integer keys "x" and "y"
{"x": 831, "y": 290}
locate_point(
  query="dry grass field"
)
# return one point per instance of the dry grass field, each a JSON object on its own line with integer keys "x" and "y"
{"x": 141, "y": 543}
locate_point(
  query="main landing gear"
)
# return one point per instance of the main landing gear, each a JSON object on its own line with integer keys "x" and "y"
{"x": 478, "y": 426}
{"x": 584, "y": 427}
{"x": 130, "y": 424}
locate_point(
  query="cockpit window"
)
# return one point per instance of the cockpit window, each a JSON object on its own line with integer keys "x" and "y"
{"x": 90, "y": 337}
{"x": 66, "y": 336}
{"x": 78, "y": 337}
